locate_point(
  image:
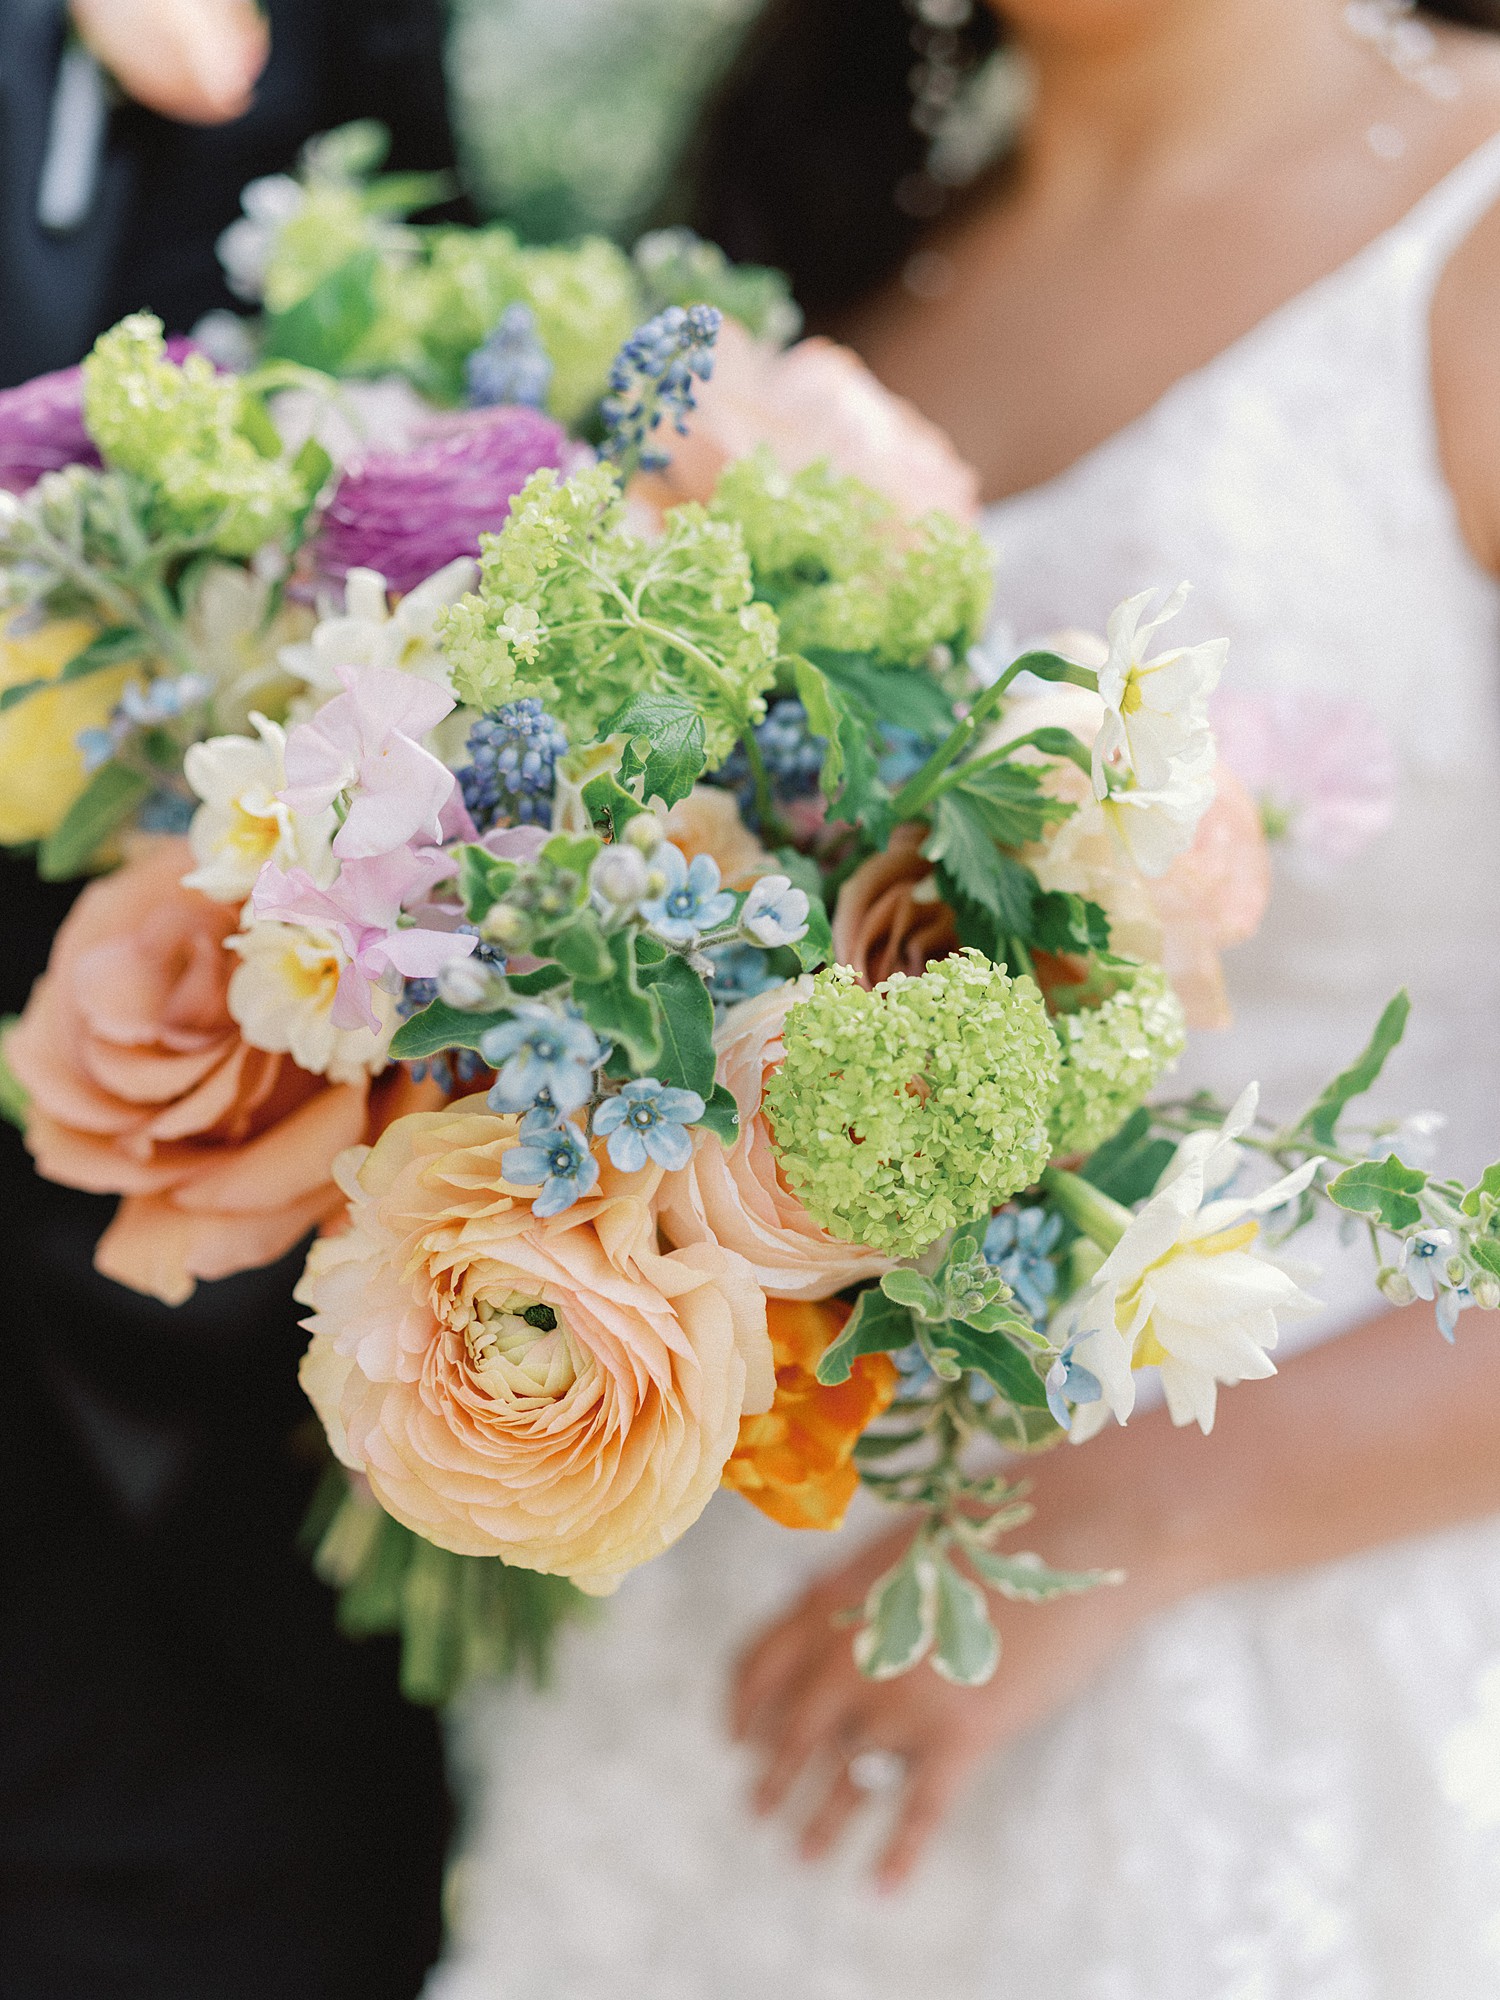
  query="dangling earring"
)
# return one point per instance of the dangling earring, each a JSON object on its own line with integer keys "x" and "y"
{"x": 970, "y": 113}
{"x": 1391, "y": 29}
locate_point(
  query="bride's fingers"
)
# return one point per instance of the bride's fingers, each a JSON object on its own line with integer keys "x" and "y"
{"x": 763, "y": 1675}
{"x": 809, "y": 1724}
{"x": 842, "y": 1802}
{"x": 930, "y": 1790}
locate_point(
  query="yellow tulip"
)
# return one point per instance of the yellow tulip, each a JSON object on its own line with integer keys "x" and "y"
{"x": 41, "y": 767}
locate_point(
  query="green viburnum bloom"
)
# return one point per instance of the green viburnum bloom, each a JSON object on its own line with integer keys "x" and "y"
{"x": 1112, "y": 1055}
{"x": 902, "y": 1113}
{"x": 183, "y": 432}
{"x": 845, "y": 574}
{"x": 576, "y": 609}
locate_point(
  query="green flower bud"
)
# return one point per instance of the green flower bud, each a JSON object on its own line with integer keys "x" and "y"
{"x": 1112, "y": 1055}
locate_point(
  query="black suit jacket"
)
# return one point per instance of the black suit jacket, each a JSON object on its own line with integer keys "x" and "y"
{"x": 205, "y": 1792}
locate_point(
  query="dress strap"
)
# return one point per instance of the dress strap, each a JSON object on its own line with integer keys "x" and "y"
{"x": 1432, "y": 230}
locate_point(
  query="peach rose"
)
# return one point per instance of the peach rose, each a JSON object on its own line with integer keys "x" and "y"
{"x": 814, "y": 401}
{"x": 140, "y": 1085}
{"x": 795, "y": 1462}
{"x": 889, "y": 917}
{"x": 736, "y": 1196}
{"x": 708, "y": 822}
{"x": 556, "y": 1392}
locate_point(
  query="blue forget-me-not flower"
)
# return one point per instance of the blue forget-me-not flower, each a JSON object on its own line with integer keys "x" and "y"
{"x": 648, "y": 1121}
{"x": 555, "y": 1158}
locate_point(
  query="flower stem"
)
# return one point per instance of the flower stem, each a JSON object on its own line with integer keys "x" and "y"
{"x": 771, "y": 823}
{"x": 920, "y": 789}
{"x": 1103, "y": 1221}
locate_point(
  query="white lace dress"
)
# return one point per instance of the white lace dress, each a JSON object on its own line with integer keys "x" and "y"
{"x": 1265, "y": 1798}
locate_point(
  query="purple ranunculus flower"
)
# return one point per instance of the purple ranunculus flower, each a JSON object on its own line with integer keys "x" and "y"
{"x": 42, "y": 427}
{"x": 407, "y": 513}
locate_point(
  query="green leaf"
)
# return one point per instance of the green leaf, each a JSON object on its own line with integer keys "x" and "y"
{"x": 910, "y": 1289}
{"x": 995, "y": 1355}
{"x": 109, "y": 798}
{"x": 13, "y": 1099}
{"x": 675, "y": 754}
{"x": 1382, "y": 1188}
{"x": 998, "y": 883}
{"x": 906, "y": 697}
{"x": 686, "y": 1025}
{"x": 1062, "y": 922}
{"x": 900, "y": 1618}
{"x": 877, "y": 1326}
{"x": 617, "y": 1007}
{"x": 1322, "y": 1120}
{"x": 440, "y": 1027}
{"x": 1010, "y": 800}
{"x": 721, "y": 1115}
{"x": 1487, "y": 1253}
{"x": 545, "y": 979}
{"x": 312, "y": 466}
{"x": 482, "y": 880}
{"x": 1026, "y": 1578}
{"x": 323, "y": 329}
{"x": 609, "y": 805}
{"x": 966, "y": 1646}
{"x": 816, "y": 947}
{"x": 1128, "y": 1166}
{"x": 111, "y": 649}
{"x": 1488, "y": 1185}
{"x": 575, "y": 852}
{"x": 579, "y": 947}
{"x": 827, "y": 715}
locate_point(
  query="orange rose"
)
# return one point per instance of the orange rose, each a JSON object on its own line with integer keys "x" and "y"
{"x": 736, "y": 1196}
{"x": 141, "y": 1085}
{"x": 555, "y": 1391}
{"x": 815, "y": 401}
{"x": 708, "y": 821}
{"x": 889, "y": 917}
{"x": 796, "y": 1462}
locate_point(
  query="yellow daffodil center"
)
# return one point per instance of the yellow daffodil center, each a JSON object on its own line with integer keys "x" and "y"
{"x": 311, "y": 973}
{"x": 252, "y": 835}
{"x": 1133, "y": 697}
{"x": 520, "y": 1351}
{"x": 1148, "y": 1351}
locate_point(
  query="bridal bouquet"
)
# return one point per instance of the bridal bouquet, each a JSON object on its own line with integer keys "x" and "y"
{"x": 708, "y": 1008}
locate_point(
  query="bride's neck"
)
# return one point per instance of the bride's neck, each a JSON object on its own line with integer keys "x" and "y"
{"x": 1179, "y": 88}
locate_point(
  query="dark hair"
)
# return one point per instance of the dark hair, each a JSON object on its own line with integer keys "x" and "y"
{"x": 807, "y": 157}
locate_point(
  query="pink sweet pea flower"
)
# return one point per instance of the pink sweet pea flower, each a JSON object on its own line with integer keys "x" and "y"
{"x": 365, "y": 741}
{"x": 363, "y": 911}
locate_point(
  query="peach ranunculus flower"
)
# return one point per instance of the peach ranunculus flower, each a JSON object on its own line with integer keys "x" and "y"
{"x": 708, "y": 821}
{"x": 889, "y": 916}
{"x": 736, "y": 1195}
{"x": 140, "y": 1084}
{"x": 557, "y": 1392}
{"x": 814, "y": 401}
{"x": 1211, "y": 897}
{"x": 795, "y": 1462}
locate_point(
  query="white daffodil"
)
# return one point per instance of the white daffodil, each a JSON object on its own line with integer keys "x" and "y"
{"x": 237, "y": 647}
{"x": 242, "y": 824}
{"x": 1183, "y": 1289}
{"x": 1154, "y": 756}
{"x": 369, "y": 633}
{"x": 282, "y": 992}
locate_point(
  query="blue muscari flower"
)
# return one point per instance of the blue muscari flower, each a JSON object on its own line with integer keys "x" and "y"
{"x": 511, "y": 366}
{"x": 539, "y": 1052}
{"x": 739, "y": 972}
{"x": 1068, "y": 1383}
{"x": 792, "y": 755}
{"x": 652, "y": 378}
{"x": 555, "y": 1158}
{"x": 648, "y": 1120}
{"x": 1018, "y": 1243}
{"x": 514, "y": 768}
{"x": 449, "y": 1071}
{"x": 690, "y": 900}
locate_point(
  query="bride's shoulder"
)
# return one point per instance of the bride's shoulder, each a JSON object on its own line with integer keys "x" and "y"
{"x": 1466, "y": 340}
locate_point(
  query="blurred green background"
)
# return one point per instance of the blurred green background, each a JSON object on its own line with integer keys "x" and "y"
{"x": 570, "y": 112}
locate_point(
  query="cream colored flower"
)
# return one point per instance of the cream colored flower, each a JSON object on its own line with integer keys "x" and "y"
{"x": 1154, "y": 753}
{"x": 282, "y": 992}
{"x": 368, "y": 632}
{"x": 242, "y": 823}
{"x": 237, "y": 647}
{"x": 554, "y": 1391}
{"x": 1183, "y": 1289}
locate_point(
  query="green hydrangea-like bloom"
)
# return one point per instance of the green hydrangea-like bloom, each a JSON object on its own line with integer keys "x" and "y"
{"x": 905, "y": 1112}
{"x": 1112, "y": 1054}
{"x": 184, "y": 432}
{"x": 845, "y": 574}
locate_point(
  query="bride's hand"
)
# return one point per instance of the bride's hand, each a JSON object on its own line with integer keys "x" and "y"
{"x": 799, "y": 1698}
